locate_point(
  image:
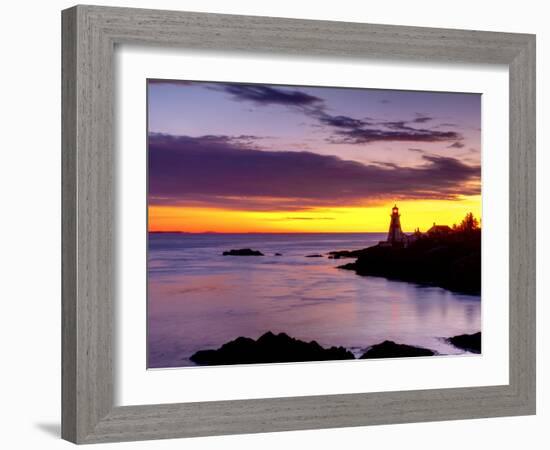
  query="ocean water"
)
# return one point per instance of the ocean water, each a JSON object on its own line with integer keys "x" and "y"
{"x": 199, "y": 299}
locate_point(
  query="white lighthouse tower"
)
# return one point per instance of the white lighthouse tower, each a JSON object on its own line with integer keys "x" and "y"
{"x": 395, "y": 235}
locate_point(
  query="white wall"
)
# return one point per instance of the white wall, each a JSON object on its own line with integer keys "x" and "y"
{"x": 30, "y": 223}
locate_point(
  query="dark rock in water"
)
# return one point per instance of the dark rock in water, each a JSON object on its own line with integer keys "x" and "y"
{"x": 468, "y": 342}
{"x": 315, "y": 255}
{"x": 243, "y": 252}
{"x": 451, "y": 261}
{"x": 278, "y": 254}
{"x": 269, "y": 348}
{"x": 389, "y": 349}
{"x": 346, "y": 253}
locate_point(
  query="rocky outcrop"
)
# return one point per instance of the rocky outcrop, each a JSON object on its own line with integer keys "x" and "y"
{"x": 269, "y": 348}
{"x": 389, "y": 349}
{"x": 242, "y": 252}
{"x": 337, "y": 254}
{"x": 452, "y": 262}
{"x": 468, "y": 342}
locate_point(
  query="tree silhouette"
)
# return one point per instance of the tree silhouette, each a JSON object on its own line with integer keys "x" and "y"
{"x": 468, "y": 224}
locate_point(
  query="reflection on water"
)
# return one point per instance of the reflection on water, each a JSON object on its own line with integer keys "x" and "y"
{"x": 199, "y": 299}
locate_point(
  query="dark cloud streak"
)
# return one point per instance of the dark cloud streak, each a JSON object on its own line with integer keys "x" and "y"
{"x": 456, "y": 144}
{"x": 422, "y": 119}
{"x": 344, "y": 129}
{"x": 268, "y": 95}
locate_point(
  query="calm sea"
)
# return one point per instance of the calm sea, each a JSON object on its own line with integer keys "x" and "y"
{"x": 199, "y": 299}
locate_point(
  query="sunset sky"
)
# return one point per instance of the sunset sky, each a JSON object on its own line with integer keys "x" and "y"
{"x": 226, "y": 157}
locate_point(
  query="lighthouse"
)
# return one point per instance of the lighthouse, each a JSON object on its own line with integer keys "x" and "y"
{"x": 395, "y": 235}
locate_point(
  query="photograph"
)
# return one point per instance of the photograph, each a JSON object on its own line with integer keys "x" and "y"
{"x": 291, "y": 224}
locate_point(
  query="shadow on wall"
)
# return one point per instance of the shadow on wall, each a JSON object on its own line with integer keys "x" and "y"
{"x": 53, "y": 429}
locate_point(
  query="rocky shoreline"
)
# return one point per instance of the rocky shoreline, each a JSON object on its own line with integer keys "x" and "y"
{"x": 269, "y": 348}
{"x": 451, "y": 261}
{"x": 281, "y": 348}
{"x": 468, "y": 342}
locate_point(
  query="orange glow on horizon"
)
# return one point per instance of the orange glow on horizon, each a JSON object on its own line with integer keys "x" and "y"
{"x": 414, "y": 214}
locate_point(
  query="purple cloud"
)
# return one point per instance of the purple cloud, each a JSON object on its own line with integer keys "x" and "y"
{"x": 268, "y": 95}
{"x": 422, "y": 119}
{"x": 218, "y": 171}
{"x": 456, "y": 144}
{"x": 349, "y": 130}
{"x": 395, "y": 133}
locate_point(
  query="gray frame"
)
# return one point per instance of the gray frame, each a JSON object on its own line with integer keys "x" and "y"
{"x": 90, "y": 34}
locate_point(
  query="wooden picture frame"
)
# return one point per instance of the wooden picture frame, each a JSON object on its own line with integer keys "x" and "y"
{"x": 90, "y": 34}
